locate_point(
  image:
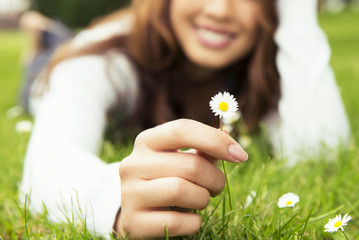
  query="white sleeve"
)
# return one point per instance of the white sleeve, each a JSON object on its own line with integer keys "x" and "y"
{"x": 311, "y": 113}
{"x": 62, "y": 170}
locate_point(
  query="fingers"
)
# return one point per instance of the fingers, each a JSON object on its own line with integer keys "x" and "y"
{"x": 152, "y": 223}
{"x": 157, "y": 178}
{"x": 173, "y": 192}
{"x": 192, "y": 134}
{"x": 202, "y": 154}
{"x": 189, "y": 166}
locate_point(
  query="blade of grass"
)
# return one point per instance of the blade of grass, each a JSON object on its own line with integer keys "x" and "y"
{"x": 306, "y": 222}
{"x": 26, "y": 217}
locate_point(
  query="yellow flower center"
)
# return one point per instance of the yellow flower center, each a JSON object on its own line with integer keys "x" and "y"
{"x": 289, "y": 203}
{"x": 338, "y": 224}
{"x": 223, "y": 106}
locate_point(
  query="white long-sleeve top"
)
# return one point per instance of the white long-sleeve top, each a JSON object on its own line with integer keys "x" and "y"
{"x": 62, "y": 169}
{"x": 311, "y": 114}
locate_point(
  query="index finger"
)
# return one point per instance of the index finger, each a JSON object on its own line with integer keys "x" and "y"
{"x": 185, "y": 133}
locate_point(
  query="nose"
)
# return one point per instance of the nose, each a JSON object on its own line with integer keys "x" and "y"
{"x": 218, "y": 9}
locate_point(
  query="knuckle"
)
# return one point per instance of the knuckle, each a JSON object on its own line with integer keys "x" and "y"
{"x": 176, "y": 128}
{"x": 197, "y": 221}
{"x": 194, "y": 167}
{"x": 126, "y": 193}
{"x": 221, "y": 182}
{"x": 141, "y": 138}
{"x": 126, "y": 226}
{"x": 126, "y": 167}
{"x": 203, "y": 199}
{"x": 127, "y": 222}
{"x": 180, "y": 127}
{"x": 129, "y": 197}
{"x": 190, "y": 226}
{"x": 194, "y": 224}
{"x": 123, "y": 171}
{"x": 174, "y": 225}
{"x": 206, "y": 199}
{"x": 177, "y": 227}
{"x": 174, "y": 190}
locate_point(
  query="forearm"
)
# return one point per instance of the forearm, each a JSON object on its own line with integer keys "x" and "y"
{"x": 62, "y": 169}
{"x": 70, "y": 181}
{"x": 310, "y": 112}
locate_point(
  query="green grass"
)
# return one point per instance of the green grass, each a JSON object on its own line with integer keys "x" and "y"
{"x": 325, "y": 188}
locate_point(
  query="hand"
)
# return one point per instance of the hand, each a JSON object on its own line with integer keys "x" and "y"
{"x": 160, "y": 182}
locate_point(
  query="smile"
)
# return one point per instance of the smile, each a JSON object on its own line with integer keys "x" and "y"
{"x": 212, "y": 38}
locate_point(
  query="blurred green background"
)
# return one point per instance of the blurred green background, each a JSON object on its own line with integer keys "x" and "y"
{"x": 76, "y": 13}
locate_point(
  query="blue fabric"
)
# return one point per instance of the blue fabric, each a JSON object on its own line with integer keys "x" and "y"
{"x": 51, "y": 38}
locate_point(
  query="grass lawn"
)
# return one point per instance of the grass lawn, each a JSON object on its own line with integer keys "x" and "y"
{"x": 325, "y": 188}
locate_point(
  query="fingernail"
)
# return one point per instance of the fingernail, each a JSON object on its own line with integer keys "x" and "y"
{"x": 237, "y": 152}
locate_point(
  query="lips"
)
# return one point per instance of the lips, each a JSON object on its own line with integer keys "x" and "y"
{"x": 214, "y": 38}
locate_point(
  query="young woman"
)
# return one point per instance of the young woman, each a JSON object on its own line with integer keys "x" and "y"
{"x": 153, "y": 68}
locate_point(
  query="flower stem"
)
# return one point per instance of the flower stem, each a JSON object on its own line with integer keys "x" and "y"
{"x": 346, "y": 237}
{"x": 225, "y": 173}
{"x": 228, "y": 189}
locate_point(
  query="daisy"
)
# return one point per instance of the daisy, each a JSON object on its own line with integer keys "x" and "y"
{"x": 250, "y": 198}
{"x": 245, "y": 141}
{"x": 334, "y": 224}
{"x": 288, "y": 200}
{"x": 223, "y": 105}
{"x": 23, "y": 126}
{"x": 232, "y": 119}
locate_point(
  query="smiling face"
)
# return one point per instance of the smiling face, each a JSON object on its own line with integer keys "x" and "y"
{"x": 215, "y": 33}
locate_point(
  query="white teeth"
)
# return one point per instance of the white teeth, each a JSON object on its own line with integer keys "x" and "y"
{"x": 213, "y": 37}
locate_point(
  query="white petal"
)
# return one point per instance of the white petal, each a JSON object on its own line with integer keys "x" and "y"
{"x": 346, "y": 218}
{"x": 23, "y": 126}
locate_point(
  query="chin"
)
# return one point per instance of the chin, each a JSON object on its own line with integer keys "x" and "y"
{"x": 212, "y": 63}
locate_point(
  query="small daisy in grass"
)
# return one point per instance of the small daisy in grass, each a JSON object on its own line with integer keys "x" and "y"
{"x": 250, "y": 198}
{"x": 337, "y": 223}
{"x": 288, "y": 200}
{"x": 245, "y": 141}
{"x": 23, "y": 126}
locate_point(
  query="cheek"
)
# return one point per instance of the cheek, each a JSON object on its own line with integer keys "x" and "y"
{"x": 178, "y": 13}
{"x": 180, "y": 9}
{"x": 248, "y": 16}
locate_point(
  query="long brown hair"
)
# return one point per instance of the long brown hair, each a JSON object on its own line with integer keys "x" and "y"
{"x": 154, "y": 50}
